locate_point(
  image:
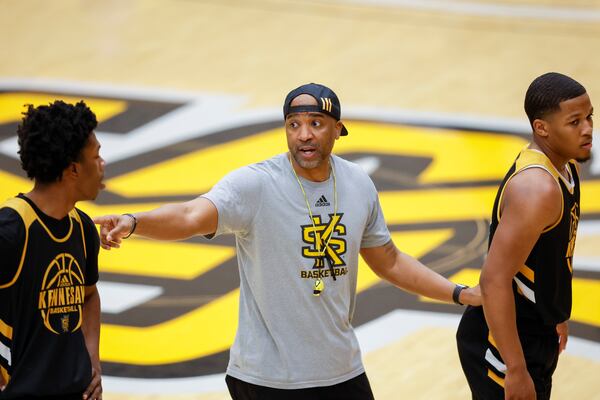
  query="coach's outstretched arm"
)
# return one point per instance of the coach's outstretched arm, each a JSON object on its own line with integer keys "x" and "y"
{"x": 169, "y": 222}
{"x": 409, "y": 274}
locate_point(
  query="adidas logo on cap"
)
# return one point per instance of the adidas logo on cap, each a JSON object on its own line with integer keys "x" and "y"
{"x": 322, "y": 202}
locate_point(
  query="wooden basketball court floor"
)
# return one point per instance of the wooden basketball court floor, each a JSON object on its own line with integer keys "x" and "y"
{"x": 453, "y": 61}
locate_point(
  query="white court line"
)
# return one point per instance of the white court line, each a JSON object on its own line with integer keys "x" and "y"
{"x": 586, "y": 264}
{"x": 118, "y": 297}
{"x": 554, "y": 13}
{"x": 588, "y": 227}
{"x": 372, "y": 336}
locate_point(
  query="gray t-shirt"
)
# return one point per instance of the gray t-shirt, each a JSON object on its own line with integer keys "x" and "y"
{"x": 288, "y": 338}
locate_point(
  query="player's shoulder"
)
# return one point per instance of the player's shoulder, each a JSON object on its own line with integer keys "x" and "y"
{"x": 533, "y": 197}
{"x": 9, "y": 216}
{"x": 12, "y": 226}
{"x": 535, "y": 184}
{"x": 86, "y": 220}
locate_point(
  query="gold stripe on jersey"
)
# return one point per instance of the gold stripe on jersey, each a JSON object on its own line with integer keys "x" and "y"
{"x": 28, "y": 216}
{"x": 6, "y": 330}
{"x": 493, "y": 376}
{"x": 74, "y": 214}
{"x": 530, "y": 158}
{"x": 4, "y": 374}
{"x": 491, "y": 340}
{"x": 527, "y": 273}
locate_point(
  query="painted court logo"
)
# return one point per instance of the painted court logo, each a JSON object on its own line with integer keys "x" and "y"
{"x": 61, "y": 297}
{"x": 436, "y": 188}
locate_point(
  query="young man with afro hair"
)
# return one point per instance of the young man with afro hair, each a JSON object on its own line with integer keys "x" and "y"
{"x": 49, "y": 304}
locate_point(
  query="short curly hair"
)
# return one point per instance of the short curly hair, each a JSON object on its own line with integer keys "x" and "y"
{"x": 547, "y": 91}
{"x": 53, "y": 136}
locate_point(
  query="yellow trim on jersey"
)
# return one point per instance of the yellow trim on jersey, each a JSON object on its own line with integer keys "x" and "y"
{"x": 23, "y": 209}
{"x": 74, "y": 214}
{"x": 6, "y": 330}
{"x": 4, "y": 374}
{"x": 28, "y": 216}
{"x": 491, "y": 340}
{"x": 527, "y": 273}
{"x": 530, "y": 158}
{"x": 492, "y": 375}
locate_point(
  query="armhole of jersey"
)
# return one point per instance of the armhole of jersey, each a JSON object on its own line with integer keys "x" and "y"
{"x": 74, "y": 214}
{"x": 562, "y": 204}
{"x": 28, "y": 216}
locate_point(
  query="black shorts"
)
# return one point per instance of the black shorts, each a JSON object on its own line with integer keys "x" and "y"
{"x": 354, "y": 389}
{"x": 483, "y": 366}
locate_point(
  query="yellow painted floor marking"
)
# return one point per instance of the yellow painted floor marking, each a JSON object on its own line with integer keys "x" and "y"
{"x": 417, "y": 206}
{"x": 164, "y": 259}
{"x": 457, "y": 156}
{"x": 414, "y": 206}
{"x": 586, "y": 301}
{"x": 204, "y": 331}
{"x": 11, "y": 185}
{"x": 12, "y": 105}
{"x": 208, "y": 165}
{"x": 590, "y": 197}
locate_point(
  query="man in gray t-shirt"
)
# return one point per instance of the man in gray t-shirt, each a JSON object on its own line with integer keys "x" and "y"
{"x": 300, "y": 220}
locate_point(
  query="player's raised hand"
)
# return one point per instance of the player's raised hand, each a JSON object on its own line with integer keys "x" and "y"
{"x": 114, "y": 228}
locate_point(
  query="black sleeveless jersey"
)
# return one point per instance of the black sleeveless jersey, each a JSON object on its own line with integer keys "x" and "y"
{"x": 42, "y": 348}
{"x": 542, "y": 286}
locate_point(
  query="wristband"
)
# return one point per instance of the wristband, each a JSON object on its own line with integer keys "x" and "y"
{"x": 133, "y": 227}
{"x": 456, "y": 293}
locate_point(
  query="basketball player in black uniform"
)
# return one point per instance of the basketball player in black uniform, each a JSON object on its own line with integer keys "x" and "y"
{"x": 49, "y": 304}
{"x": 526, "y": 278}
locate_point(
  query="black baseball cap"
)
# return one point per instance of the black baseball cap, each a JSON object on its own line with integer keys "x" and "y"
{"x": 328, "y": 102}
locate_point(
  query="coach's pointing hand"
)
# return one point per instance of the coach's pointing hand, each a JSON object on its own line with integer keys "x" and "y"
{"x": 114, "y": 228}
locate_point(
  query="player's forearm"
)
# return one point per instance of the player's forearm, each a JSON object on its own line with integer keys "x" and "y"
{"x": 500, "y": 315}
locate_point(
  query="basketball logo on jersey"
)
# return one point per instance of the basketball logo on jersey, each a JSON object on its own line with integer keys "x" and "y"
{"x": 572, "y": 235}
{"x": 62, "y": 294}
